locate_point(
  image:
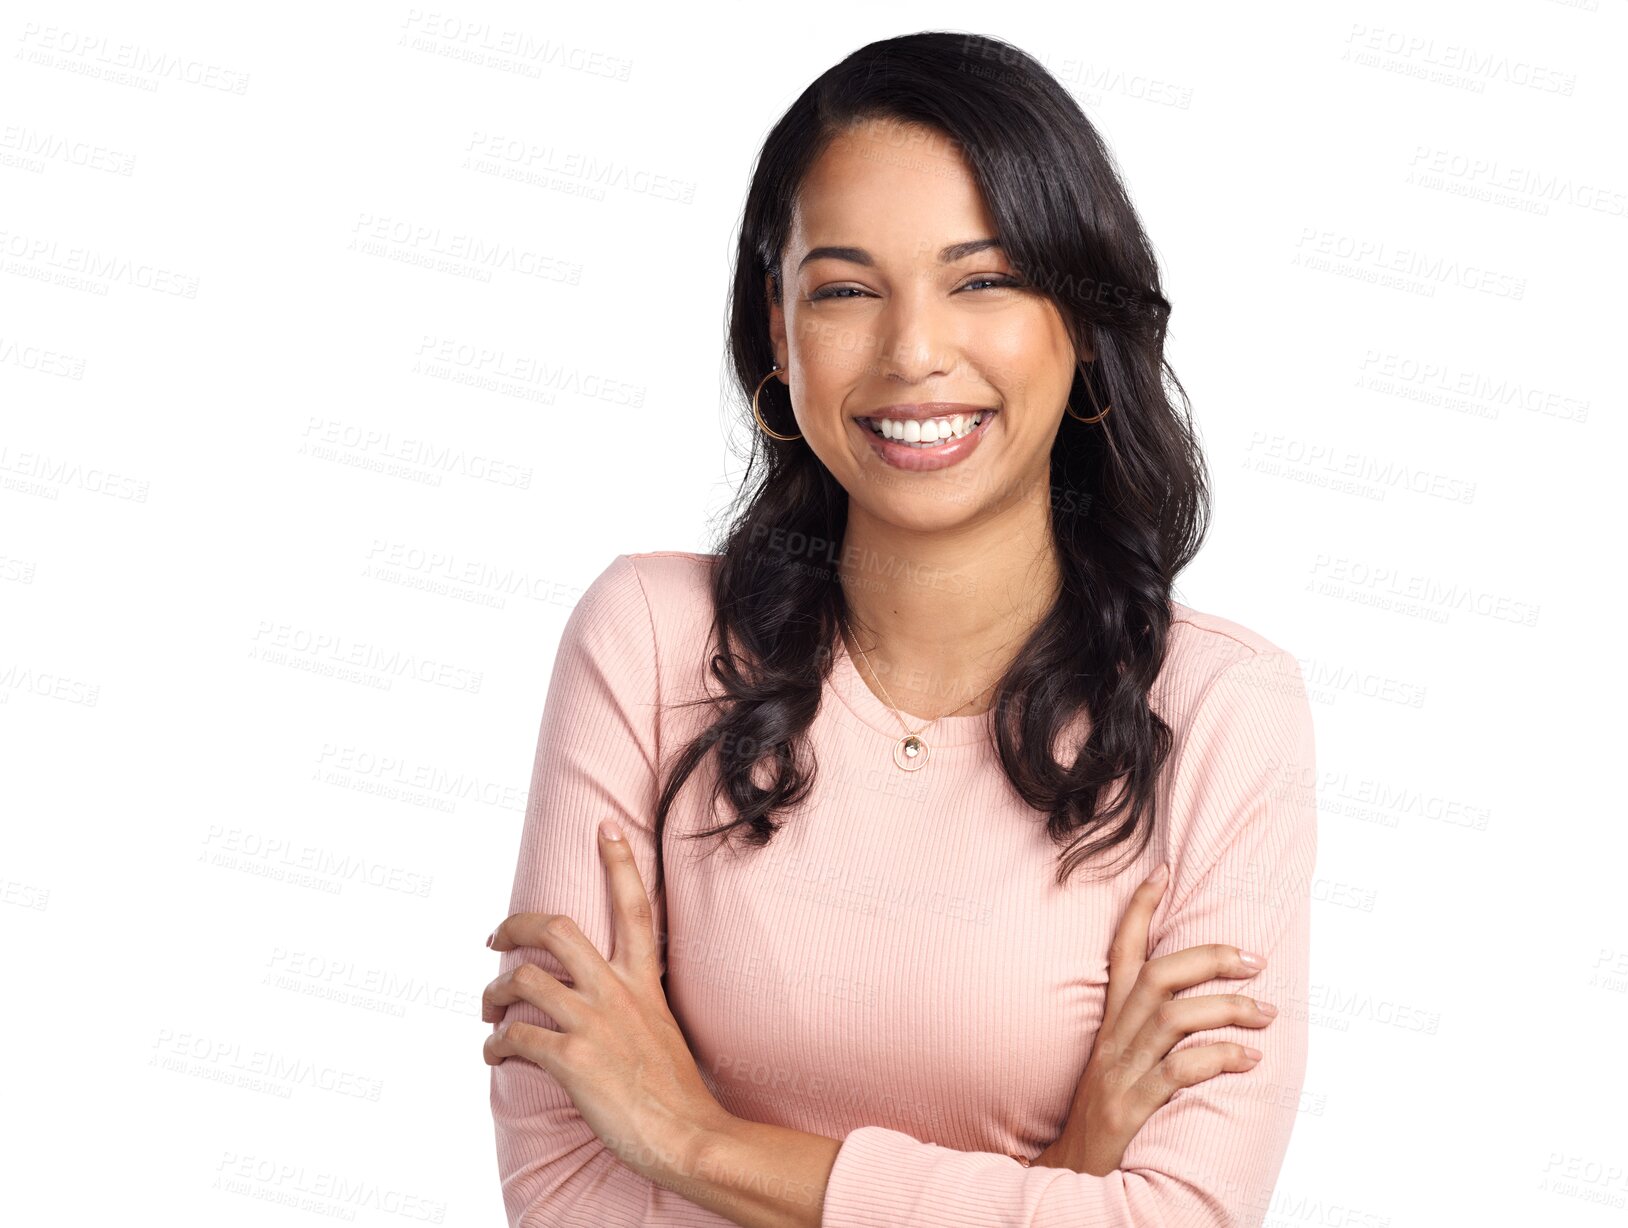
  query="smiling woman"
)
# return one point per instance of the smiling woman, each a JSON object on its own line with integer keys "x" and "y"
{"x": 841, "y": 969}
{"x": 1011, "y": 345}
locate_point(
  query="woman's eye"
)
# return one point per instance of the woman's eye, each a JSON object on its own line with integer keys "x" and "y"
{"x": 842, "y": 292}
{"x": 832, "y": 292}
{"x": 992, "y": 280}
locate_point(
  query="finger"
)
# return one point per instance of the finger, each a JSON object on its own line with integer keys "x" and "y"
{"x": 1185, "y": 1069}
{"x": 516, "y": 1038}
{"x": 1194, "y": 965}
{"x": 529, "y": 983}
{"x": 1164, "y": 975}
{"x": 557, "y": 934}
{"x": 1129, "y": 948}
{"x": 1175, "y": 1020}
{"x": 633, "y": 918}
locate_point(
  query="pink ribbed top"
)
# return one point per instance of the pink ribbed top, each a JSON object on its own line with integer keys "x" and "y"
{"x": 897, "y": 969}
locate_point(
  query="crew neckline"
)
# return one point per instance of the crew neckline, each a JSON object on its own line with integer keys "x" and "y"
{"x": 868, "y": 707}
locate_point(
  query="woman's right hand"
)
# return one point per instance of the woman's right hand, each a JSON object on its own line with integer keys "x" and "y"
{"x": 1131, "y": 1071}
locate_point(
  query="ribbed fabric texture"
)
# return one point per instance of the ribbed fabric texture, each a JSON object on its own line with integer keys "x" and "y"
{"x": 897, "y": 968}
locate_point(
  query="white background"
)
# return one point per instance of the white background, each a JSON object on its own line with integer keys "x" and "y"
{"x": 291, "y": 517}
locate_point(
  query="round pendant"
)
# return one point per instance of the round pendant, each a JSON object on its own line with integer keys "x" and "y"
{"x": 910, "y": 753}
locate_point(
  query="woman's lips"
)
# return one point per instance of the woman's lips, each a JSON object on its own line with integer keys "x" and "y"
{"x": 920, "y": 460}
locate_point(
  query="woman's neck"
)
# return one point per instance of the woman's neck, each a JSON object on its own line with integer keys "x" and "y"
{"x": 940, "y": 615}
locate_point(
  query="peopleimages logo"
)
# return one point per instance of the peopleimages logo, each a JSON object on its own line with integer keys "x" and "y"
{"x": 129, "y": 63}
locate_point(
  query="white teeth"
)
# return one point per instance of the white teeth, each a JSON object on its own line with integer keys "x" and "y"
{"x": 926, "y": 434}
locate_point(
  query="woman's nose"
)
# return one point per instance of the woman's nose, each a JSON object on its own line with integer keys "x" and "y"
{"x": 913, "y": 341}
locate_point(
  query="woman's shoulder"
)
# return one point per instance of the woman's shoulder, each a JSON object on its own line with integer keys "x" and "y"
{"x": 1202, "y": 636}
{"x": 674, "y": 569}
{"x": 1206, "y": 650}
{"x": 663, "y": 576}
{"x": 1245, "y": 743}
{"x": 677, "y": 584}
{"x": 653, "y": 589}
{"x": 660, "y": 598}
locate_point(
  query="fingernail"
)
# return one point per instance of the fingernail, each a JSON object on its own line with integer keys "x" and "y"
{"x": 1159, "y": 875}
{"x": 1252, "y": 1053}
{"x": 1251, "y": 959}
{"x": 609, "y": 830}
{"x": 490, "y": 938}
{"x": 1266, "y": 1008}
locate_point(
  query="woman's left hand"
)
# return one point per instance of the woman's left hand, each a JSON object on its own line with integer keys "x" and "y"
{"x": 620, "y": 1054}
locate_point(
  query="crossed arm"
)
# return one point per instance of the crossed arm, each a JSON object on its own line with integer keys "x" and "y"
{"x": 1208, "y": 1158}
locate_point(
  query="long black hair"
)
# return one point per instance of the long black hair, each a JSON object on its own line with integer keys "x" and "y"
{"x": 1129, "y": 494}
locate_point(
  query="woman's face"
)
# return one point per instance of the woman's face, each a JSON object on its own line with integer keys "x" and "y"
{"x": 881, "y": 311}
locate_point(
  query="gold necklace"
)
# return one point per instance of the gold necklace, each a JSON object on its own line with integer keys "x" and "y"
{"x": 910, "y": 752}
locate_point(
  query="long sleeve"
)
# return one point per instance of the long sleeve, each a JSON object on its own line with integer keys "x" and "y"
{"x": 1243, "y": 848}
{"x": 597, "y": 756}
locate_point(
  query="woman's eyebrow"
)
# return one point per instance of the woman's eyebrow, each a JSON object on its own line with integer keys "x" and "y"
{"x": 858, "y": 255}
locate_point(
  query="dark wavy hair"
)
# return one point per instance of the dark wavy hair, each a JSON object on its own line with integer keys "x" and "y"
{"x": 1129, "y": 494}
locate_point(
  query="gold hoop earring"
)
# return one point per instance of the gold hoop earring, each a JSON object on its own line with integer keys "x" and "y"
{"x": 758, "y": 414}
{"x": 1070, "y": 408}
